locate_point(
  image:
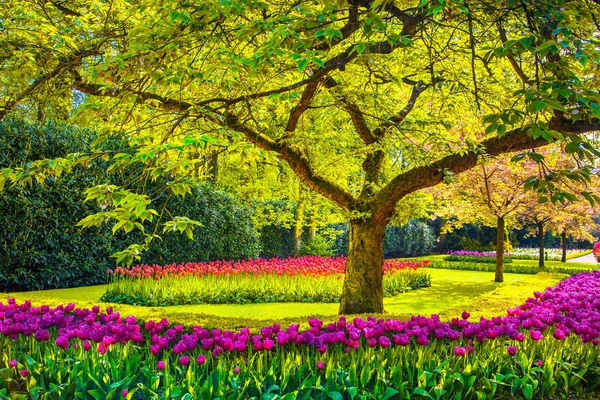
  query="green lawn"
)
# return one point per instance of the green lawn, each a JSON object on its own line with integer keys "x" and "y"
{"x": 451, "y": 293}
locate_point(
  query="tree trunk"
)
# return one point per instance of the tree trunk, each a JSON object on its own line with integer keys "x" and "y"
{"x": 312, "y": 228}
{"x": 563, "y": 239}
{"x": 441, "y": 245}
{"x": 214, "y": 168}
{"x": 500, "y": 250}
{"x": 363, "y": 282}
{"x": 298, "y": 226}
{"x": 540, "y": 226}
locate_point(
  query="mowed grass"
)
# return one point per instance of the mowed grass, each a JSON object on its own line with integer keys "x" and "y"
{"x": 451, "y": 292}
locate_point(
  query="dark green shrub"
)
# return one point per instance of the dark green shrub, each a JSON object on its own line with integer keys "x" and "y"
{"x": 40, "y": 245}
{"x": 227, "y": 231}
{"x": 277, "y": 239}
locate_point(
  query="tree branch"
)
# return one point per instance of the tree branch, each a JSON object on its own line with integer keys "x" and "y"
{"x": 418, "y": 88}
{"x": 511, "y": 59}
{"x": 303, "y": 104}
{"x": 297, "y": 162}
{"x": 66, "y": 63}
{"x": 106, "y": 91}
{"x": 355, "y": 113}
{"x": 432, "y": 174}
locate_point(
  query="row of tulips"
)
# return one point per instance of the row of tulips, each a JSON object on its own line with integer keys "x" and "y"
{"x": 303, "y": 279}
{"x": 545, "y": 347}
{"x": 316, "y": 266}
{"x": 518, "y": 253}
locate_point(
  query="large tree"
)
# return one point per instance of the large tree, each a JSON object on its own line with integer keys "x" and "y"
{"x": 367, "y": 101}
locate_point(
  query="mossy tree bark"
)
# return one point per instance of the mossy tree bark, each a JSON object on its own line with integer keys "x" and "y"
{"x": 363, "y": 289}
{"x": 500, "y": 250}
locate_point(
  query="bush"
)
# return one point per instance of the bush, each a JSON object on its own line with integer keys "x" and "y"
{"x": 227, "y": 231}
{"x": 513, "y": 268}
{"x": 318, "y": 246}
{"x": 277, "y": 240}
{"x": 41, "y": 246}
{"x": 474, "y": 259}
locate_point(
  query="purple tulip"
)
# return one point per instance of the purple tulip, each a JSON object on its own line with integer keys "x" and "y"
{"x": 536, "y": 335}
{"x": 24, "y": 373}
{"x": 201, "y": 359}
{"x": 13, "y": 363}
{"x": 184, "y": 360}
{"x": 160, "y": 365}
{"x": 384, "y": 341}
{"x": 512, "y": 350}
{"x": 460, "y": 351}
{"x": 124, "y": 393}
{"x": 320, "y": 364}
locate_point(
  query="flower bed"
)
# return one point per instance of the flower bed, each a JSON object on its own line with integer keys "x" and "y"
{"x": 307, "y": 279}
{"x": 545, "y": 347}
{"x": 485, "y": 257}
{"x": 553, "y": 254}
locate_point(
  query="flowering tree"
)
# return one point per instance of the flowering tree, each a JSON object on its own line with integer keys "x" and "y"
{"x": 488, "y": 194}
{"x": 367, "y": 101}
{"x": 568, "y": 214}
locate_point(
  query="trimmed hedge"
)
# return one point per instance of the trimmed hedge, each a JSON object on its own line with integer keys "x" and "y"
{"x": 513, "y": 268}
{"x": 41, "y": 247}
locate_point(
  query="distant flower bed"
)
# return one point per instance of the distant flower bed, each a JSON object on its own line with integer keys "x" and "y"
{"x": 545, "y": 348}
{"x": 488, "y": 257}
{"x": 306, "y": 279}
{"x": 533, "y": 253}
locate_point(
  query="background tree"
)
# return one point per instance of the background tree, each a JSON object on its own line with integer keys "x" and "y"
{"x": 366, "y": 101}
{"x": 489, "y": 194}
{"x": 567, "y": 211}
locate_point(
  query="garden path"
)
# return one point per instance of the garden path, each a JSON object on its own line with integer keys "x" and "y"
{"x": 588, "y": 258}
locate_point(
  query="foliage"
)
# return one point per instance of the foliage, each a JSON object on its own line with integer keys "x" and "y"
{"x": 41, "y": 245}
{"x": 534, "y": 351}
{"x": 227, "y": 230}
{"x": 318, "y": 246}
{"x": 309, "y": 279}
{"x": 415, "y": 238}
{"x": 276, "y": 235}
